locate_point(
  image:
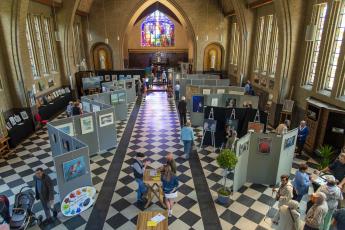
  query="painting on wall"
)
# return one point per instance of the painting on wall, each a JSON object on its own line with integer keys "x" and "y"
{"x": 210, "y": 125}
{"x": 86, "y": 124}
{"x": 264, "y": 145}
{"x": 106, "y": 119}
{"x": 66, "y": 128}
{"x": 198, "y": 104}
{"x": 102, "y": 56}
{"x": 289, "y": 142}
{"x": 74, "y": 168}
{"x": 86, "y": 106}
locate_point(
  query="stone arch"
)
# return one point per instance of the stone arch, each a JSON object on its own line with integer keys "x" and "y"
{"x": 213, "y": 57}
{"x": 174, "y": 8}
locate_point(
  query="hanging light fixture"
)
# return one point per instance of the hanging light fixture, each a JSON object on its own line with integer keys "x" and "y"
{"x": 106, "y": 40}
{"x": 311, "y": 30}
{"x": 56, "y": 31}
{"x": 89, "y": 36}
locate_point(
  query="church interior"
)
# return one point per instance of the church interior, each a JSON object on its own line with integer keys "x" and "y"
{"x": 172, "y": 114}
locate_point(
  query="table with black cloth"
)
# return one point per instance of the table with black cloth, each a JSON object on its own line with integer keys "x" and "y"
{"x": 243, "y": 115}
{"x": 20, "y": 131}
{"x": 51, "y": 109}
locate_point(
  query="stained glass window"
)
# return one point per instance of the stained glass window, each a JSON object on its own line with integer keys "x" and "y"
{"x": 157, "y": 30}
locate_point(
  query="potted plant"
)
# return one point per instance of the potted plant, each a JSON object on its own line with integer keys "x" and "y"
{"x": 326, "y": 153}
{"x": 227, "y": 160}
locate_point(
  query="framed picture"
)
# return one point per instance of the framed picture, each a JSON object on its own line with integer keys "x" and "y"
{"x": 220, "y": 91}
{"x": 86, "y": 124}
{"x": 210, "y": 125}
{"x": 107, "y": 78}
{"x": 198, "y": 104}
{"x": 230, "y": 102}
{"x": 24, "y": 115}
{"x": 66, "y": 128}
{"x": 233, "y": 124}
{"x": 74, "y": 168}
{"x": 8, "y": 125}
{"x": 96, "y": 108}
{"x": 13, "y": 122}
{"x": 243, "y": 147}
{"x": 65, "y": 145}
{"x": 288, "y": 105}
{"x": 106, "y": 119}
{"x": 121, "y": 77}
{"x": 129, "y": 76}
{"x": 67, "y": 90}
{"x": 114, "y": 98}
{"x": 206, "y": 91}
{"x": 214, "y": 102}
{"x": 86, "y": 106}
{"x": 17, "y": 118}
{"x": 256, "y": 127}
{"x": 113, "y": 77}
{"x": 122, "y": 97}
{"x": 289, "y": 142}
{"x": 101, "y": 78}
{"x": 264, "y": 145}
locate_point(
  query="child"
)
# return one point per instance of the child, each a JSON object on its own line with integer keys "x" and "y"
{"x": 170, "y": 184}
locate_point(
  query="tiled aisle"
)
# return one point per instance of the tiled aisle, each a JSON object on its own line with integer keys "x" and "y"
{"x": 35, "y": 152}
{"x": 155, "y": 133}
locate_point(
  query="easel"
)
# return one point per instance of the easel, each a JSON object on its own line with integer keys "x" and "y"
{"x": 257, "y": 116}
{"x": 210, "y": 117}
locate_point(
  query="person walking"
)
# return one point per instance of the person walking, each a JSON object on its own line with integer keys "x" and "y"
{"x": 301, "y": 182}
{"x": 170, "y": 185}
{"x": 44, "y": 191}
{"x": 333, "y": 195}
{"x": 187, "y": 136}
{"x": 177, "y": 91}
{"x": 316, "y": 214}
{"x": 302, "y": 135}
{"x": 182, "y": 109}
{"x": 289, "y": 216}
{"x": 284, "y": 195}
{"x": 171, "y": 162}
{"x": 139, "y": 167}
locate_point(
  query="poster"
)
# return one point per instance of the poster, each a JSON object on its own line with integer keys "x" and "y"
{"x": 114, "y": 99}
{"x": 86, "y": 106}
{"x": 256, "y": 127}
{"x": 198, "y": 104}
{"x": 206, "y": 91}
{"x": 289, "y": 142}
{"x": 96, "y": 108}
{"x": 106, "y": 119}
{"x": 210, "y": 125}
{"x": 264, "y": 145}
{"x": 66, "y": 128}
{"x": 74, "y": 168}
{"x": 214, "y": 102}
{"x": 86, "y": 124}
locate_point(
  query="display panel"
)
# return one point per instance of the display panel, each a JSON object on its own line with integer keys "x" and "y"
{"x": 157, "y": 30}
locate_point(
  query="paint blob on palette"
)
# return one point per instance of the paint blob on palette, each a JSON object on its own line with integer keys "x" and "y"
{"x": 78, "y": 201}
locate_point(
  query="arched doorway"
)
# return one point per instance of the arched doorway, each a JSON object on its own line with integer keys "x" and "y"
{"x": 213, "y": 57}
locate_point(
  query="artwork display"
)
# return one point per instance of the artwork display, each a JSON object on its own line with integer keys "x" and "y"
{"x": 114, "y": 98}
{"x": 13, "y": 122}
{"x": 78, "y": 201}
{"x": 210, "y": 125}
{"x": 24, "y": 115}
{"x": 96, "y": 108}
{"x": 243, "y": 147}
{"x": 86, "y": 124}
{"x": 91, "y": 82}
{"x": 256, "y": 127}
{"x": 157, "y": 30}
{"x": 289, "y": 142}
{"x": 191, "y": 90}
{"x": 264, "y": 146}
{"x": 107, "y": 78}
{"x": 17, "y": 118}
{"x": 230, "y": 103}
{"x": 247, "y": 104}
{"x": 220, "y": 91}
{"x": 129, "y": 85}
{"x": 74, "y": 168}
{"x": 206, "y": 91}
{"x": 288, "y": 105}
{"x": 86, "y": 106}
{"x": 106, "y": 119}
{"x": 122, "y": 97}
{"x": 198, "y": 104}
{"x": 121, "y": 77}
{"x": 129, "y": 76}
{"x": 232, "y": 124}
{"x": 66, "y": 128}
{"x": 214, "y": 102}
{"x": 113, "y": 77}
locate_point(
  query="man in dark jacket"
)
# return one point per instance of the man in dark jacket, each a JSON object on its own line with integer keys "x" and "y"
{"x": 182, "y": 109}
{"x": 44, "y": 190}
{"x": 303, "y": 132}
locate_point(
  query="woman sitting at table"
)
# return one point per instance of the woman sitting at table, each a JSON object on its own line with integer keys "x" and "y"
{"x": 170, "y": 184}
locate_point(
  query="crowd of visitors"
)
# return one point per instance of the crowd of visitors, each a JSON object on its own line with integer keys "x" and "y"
{"x": 74, "y": 108}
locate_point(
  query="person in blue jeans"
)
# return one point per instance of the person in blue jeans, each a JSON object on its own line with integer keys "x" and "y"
{"x": 187, "y": 137}
{"x": 301, "y": 182}
{"x": 139, "y": 167}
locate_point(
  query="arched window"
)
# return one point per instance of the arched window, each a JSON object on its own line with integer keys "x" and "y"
{"x": 157, "y": 30}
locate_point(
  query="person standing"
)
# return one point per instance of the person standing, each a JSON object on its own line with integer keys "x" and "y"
{"x": 170, "y": 185}
{"x": 333, "y": 195}
{"x": 182, "y": 109}
{"x": 316, "y": 214}
{"x": 164, "y": 77}
{"x": 187, "y": 136}
{"x": 171, "y": 162}
{"x": 289, "y": 216}
{"x": 69, "y": 109}
{"x": 248, "y": 89}
{"x": 177, "y": 91}
{"x": 301, "y": 182}
{"x": 283, "y": 127}
{"x": 76, "y": 109}
{"x": 44, "y": 191}
{"x": 302, "y": 135}
{"x": 284, "y": 194}
{"x": 139, "y": 167}
{"x": 337, "y": 169}
{"x": 339, "y": 219}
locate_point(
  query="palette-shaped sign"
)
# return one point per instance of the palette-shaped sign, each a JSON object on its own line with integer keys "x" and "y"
{"x": 78, "y": 201}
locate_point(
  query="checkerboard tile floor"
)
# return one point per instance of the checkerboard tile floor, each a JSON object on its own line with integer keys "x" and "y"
{"x": 17, "y": 171}
{"x": 155, "y": 133}
{"x": 250, "y": 207}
